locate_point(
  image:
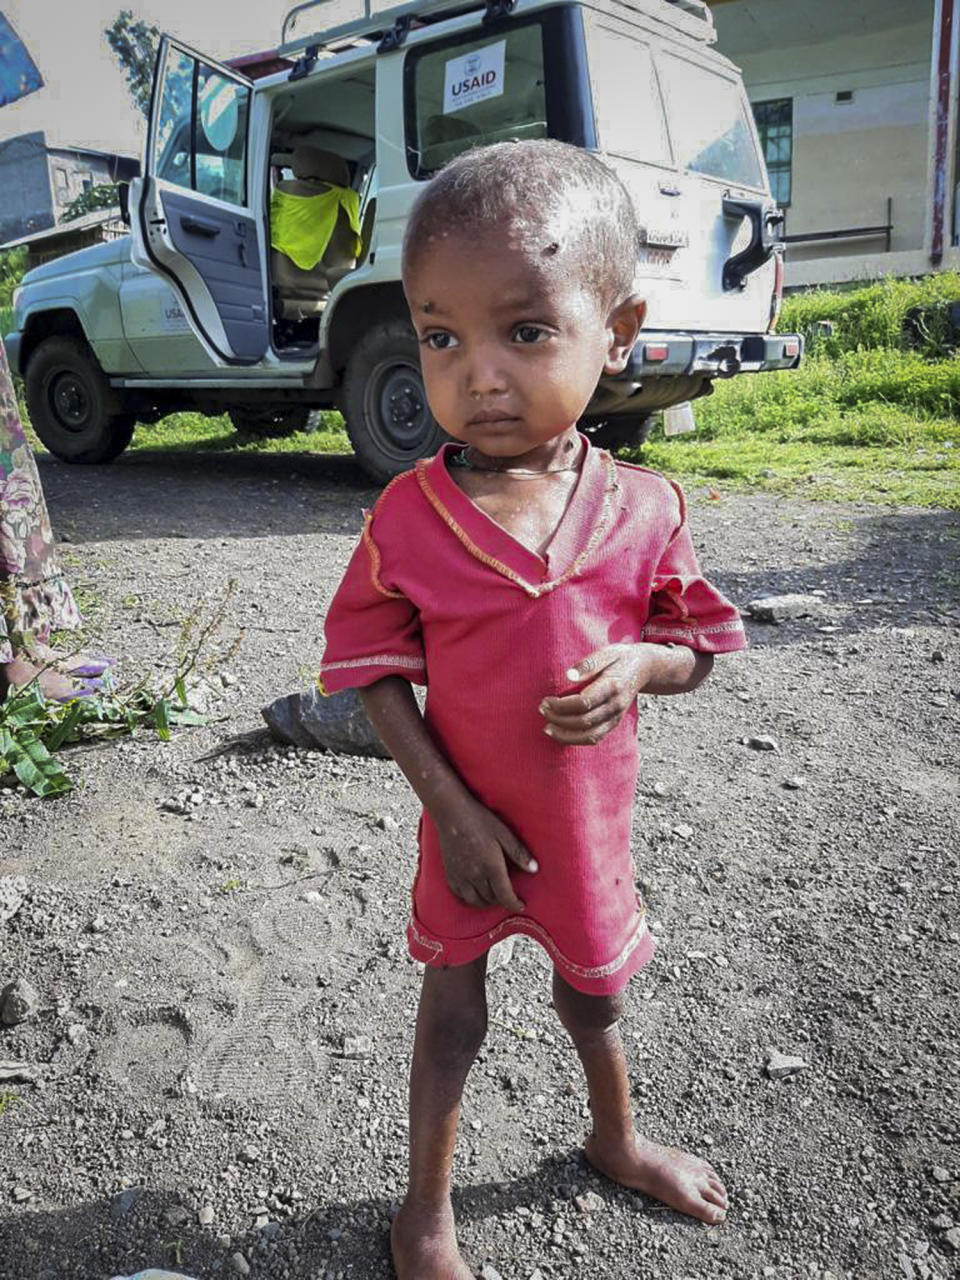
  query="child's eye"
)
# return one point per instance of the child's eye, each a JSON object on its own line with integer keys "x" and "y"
{"x": 440, "y": 341}
{"x": 528, "y": 334}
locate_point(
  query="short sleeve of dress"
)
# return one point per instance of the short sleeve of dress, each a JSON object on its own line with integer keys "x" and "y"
{"x": 371, "y": 630}
{"x": 685, "y": 608}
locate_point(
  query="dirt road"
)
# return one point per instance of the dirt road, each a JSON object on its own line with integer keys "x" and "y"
{"x": 214, "y": 928}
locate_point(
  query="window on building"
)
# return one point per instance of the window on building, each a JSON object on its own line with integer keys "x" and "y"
{"x": 63, "y": 183}
{"x": 775, "y": 126}
{"x": 86, "y": 181}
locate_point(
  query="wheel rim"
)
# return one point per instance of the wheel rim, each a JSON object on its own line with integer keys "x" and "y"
{"x": 70, "y": 401}
{"x": 395, "y": 409}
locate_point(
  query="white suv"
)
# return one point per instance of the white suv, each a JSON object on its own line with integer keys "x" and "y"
{"x": 194, "y": 310}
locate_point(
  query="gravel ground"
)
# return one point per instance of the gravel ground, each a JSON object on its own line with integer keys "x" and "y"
{"x": 214, "y": 928}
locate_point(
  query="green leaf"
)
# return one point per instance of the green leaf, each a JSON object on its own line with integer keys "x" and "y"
{"x": 181, "y": 691}
{"x": 33, "y": 764}
{"x": 64, "y": 731}
{"x": 161, "y": 718}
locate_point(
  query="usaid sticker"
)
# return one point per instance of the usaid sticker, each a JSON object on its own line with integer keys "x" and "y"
{"x": 474, "y": 77}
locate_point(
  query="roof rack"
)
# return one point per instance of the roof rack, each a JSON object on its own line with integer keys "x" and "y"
{"x": 375, "y": 24}
{"x": 697, "y": 7}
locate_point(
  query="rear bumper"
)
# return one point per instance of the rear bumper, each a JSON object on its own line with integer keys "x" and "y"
{"x": 712, "y": 355}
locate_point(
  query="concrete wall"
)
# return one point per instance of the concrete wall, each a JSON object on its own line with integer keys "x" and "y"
{"x": 848, "y": 158}
{"x": 70, "y": 169}
{"x": 26, "y": 202}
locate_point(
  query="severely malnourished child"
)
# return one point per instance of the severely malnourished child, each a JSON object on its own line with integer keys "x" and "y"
{"x": 536, "y": 586}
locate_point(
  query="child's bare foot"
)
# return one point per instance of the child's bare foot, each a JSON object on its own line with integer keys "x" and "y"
{"x": 20, "y": 672}
{"x": 424, "y": 1245}
{"x": 682, "y": 1181}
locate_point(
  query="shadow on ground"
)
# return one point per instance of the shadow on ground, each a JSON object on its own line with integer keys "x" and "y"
{"x": 142, "y": 1228}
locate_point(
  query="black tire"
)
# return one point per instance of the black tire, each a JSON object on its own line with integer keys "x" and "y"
{"x": 271, "y": 420}
{"x": 620, "y": 430}
{"x": 72, "y": 407}
{"x": 388, "y": 420}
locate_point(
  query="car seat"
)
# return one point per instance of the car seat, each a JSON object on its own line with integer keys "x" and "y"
{"x": 301, "y": 294}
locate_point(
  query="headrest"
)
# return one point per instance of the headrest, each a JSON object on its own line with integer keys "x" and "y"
{"x": 322, "y": 166}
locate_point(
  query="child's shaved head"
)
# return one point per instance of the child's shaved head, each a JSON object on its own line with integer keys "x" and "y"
{"x": 560, "y": 201}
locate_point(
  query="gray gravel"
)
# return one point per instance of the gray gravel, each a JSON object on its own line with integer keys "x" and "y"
{"x": 211, "y": 1076}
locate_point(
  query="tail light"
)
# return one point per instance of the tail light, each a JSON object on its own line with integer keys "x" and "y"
{"x": 776, "y": 302}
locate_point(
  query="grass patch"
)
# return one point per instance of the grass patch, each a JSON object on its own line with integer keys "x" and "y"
{"x": 194, "y": 433}
{"x": 871, "y": 426}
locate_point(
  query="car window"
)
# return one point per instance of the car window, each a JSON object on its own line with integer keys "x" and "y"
{"x": 626, "y": 97}
{"x": 472, "y": 92}
{"x": 200, "y": 137}
{"x": 707, "y": 115}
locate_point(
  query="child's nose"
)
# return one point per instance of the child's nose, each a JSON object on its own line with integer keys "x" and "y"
{"x": 485, "y": 376}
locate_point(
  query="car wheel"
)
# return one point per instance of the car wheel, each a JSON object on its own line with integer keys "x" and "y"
{"x": 388, "y": 420}
{"x": 620, "y": 430}
{"x": 271, "y": 420}
{"x": 72, "y": 407}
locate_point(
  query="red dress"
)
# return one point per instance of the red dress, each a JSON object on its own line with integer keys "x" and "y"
{"x": 439, "y": 593}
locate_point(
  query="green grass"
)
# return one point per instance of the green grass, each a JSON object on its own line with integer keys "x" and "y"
{"x": 191, "y": 432}
{"x": 872, "y": 426}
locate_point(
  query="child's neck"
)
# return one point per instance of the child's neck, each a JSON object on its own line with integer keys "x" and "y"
{"x": 563, "y": 452}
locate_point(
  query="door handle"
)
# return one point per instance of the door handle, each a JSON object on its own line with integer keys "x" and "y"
{"x": 242, "y": 250}
{"x": 199, "y": 226}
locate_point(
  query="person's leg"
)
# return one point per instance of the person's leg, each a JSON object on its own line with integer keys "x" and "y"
{"x": 451, "y": 1025}
{"x": 682, "y": 1181}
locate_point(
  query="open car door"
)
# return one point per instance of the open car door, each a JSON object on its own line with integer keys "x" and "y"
{"x": 192, "y": 216}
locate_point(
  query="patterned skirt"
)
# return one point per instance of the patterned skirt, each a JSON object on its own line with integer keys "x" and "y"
{"x": 34, "y": 596}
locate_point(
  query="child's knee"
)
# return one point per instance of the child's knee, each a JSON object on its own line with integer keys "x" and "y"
{"x": 591, "y": 1015}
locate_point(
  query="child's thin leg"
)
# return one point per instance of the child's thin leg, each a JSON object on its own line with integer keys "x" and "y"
{"x": 451, "y": 1025}
{"x": 614, "y": 1147}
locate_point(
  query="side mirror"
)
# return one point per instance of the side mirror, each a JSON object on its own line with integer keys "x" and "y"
{"x": 123, "y": 195}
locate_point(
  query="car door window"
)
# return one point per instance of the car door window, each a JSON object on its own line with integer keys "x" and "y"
{"x": 200, "y": 139}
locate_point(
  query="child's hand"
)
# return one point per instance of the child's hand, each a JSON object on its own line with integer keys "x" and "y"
{"x": 476, "y": 847}
{"x": 585, "y": 718}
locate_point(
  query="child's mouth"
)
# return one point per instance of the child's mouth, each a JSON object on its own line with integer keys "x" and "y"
{"x": 490, "y": 417}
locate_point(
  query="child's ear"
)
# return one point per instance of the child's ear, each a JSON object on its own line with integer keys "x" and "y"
{"x": 623, "y": 325}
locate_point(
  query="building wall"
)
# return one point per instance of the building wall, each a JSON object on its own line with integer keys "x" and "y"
{"x": 848, "y": 158}
{"x": 26, "y": 202}
{"x": 71, "y": 172}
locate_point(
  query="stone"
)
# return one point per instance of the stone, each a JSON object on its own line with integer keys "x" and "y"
{"x": 250, "y": 1154}
{"x": 760, "y": 743}
{"x": 13, "y": 890}
{"x": 794, "y": 783}
{"x": 589, "y": 1202}
{"x": 357, "y": 1047}
{"x": 386, "y": 822}
{"x": 939, "y": 1173}
{"x": 239, "y": 1265}
{"x": 337, "y": 723}
{"x": 952, "y": 1239}
{"x": 21, "y": 1195}
{"x": 500, "y": 955}
{"x": 683, "y": 831}
{"x": 490, "y": 1273}
{"x": 942, "y": 1222}
{"x": 18, "y": 1002}
{"x": 776, "y": 609}
{"x": 177, "y": 1215}
{"x": 205, "y": 1216}
{"x": 312, "y": 896}
{"x": 124, "y": 1202}
{"x": 780, "y": 1065}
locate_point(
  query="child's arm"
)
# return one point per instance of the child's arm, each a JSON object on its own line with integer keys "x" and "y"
{"x": 583, "y": 719}
{"x": 475, "y": 843}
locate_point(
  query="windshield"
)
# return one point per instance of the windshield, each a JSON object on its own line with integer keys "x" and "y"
{"x": 708, "y": 119}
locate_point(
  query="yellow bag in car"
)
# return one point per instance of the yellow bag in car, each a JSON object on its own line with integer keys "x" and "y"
{"x": 301, "y": 226}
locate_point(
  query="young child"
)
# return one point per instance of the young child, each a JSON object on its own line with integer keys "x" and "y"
{"x": 536, "y": 586}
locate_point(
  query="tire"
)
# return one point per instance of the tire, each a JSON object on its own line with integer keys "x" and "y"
{"x": 620, "y": 430}
{"x": 72, "y": 407}
{"x": 388, "y": 420}
{"x": 269, "y": 420}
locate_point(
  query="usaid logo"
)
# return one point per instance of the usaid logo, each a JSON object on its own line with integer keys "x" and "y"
{"x": 474, "y": 77}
